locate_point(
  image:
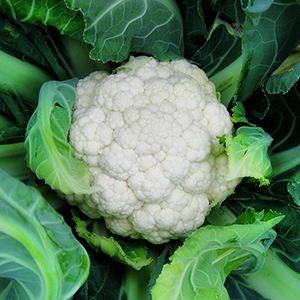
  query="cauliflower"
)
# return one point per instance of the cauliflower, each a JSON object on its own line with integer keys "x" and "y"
{"x": 149, "y": 133}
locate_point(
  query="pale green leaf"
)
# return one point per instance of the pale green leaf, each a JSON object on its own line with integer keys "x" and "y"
{"x": 39, "y": 257}
{"x": 248, "y": 154}
{"x": 132, "y": 253}
{"x": 49, "y": 155}
{"x": 199, "y": 268}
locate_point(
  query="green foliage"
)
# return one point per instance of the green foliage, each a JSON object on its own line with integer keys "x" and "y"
{"x": 115, "y": 28}
{"x": 198, "y": 269}
{"x": 265, "y": 31}
{"x": 12, "y": 161}
{"x": 275, "y": 268}
{"x": 16, "y": 82}
{"x": 14, "y": 116}
{"x": 51, "y": 12}
{"x": 131, "y": 253}
{"x": 282, "y": 83}
{"x": 248, "y": 40}
{"x": 248, "y": 154}
{"x": 282, "y": 257}
{"x": 49, "y": 155}
{"x": 38, "y": 249}
{"x": 247, "y": 150}
{"x": 29, "y": 43}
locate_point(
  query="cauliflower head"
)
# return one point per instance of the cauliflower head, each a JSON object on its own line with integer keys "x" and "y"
{"x": 149, "y": 133}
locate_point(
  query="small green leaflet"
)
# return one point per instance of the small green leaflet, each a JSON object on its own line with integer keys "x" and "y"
{"x": 198, "y": 269}
{"x": 49, "y": 155}
{"x": 39, "y": 256}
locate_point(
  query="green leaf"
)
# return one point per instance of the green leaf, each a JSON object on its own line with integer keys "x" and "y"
{"x": 49, "y": 12}
{"x": 282, "y": 122}
{"x": 129, "y": 252}
{"x": 28, "y": 42}
{"x": 221, "y": 59}
{"x": 293, "y": 188}
{"x": 247, "y": 42}
{"x": 239, "y": 114}
{"x": 268, "y": 38}
{"x": 283, "y": 256}
{"x": 115, "y": 28}
{"x": 105, "y": 281}
{"x": 222, "y": 49}
{"x": 13, "y": 40}
{"x": 39, "y": 257}
{"x": 194, "y": 25}
{"x": 248, "y": 154}
{"x": 199, "y": 268}
{"x": 282, "y": 83}
{"x": 49, "y": 155}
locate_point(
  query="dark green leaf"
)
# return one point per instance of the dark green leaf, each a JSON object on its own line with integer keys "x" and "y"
{"x": 282, "y": 83}
{"x": 221, "y": 59}
{"x": 105, "y": 279}
{"x": 219, "y": 52}
{"x": 195, "y": 27}
{"x": 14, "y": 116}
{"x": 293, "y": 188}
{"x": 270, "y": 34}
{"x": 49, "y": 12}
{"x": 116, "y": 28}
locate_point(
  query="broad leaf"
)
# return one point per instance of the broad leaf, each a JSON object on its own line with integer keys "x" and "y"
{"x": 39, "y": 257}
{"x": 222, "y": 49}
{"x": 246, "y": 44}
{"x": 115, "y": 28}
{"x": 199, "y": 268}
